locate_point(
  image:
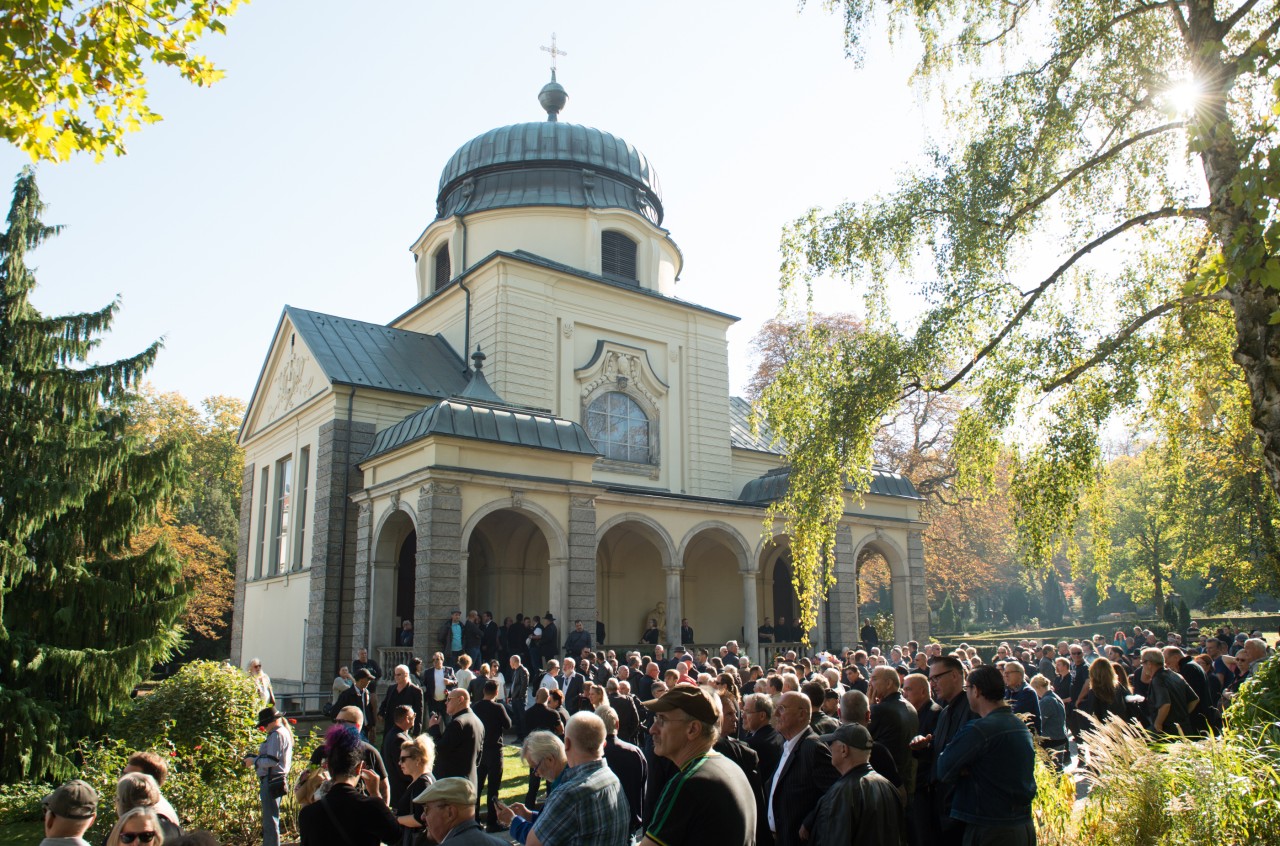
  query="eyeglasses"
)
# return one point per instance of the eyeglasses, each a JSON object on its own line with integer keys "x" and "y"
{"x": 143, "y": 836}
{"x": 935, "y": 676}
{"x": 406, "y": 757}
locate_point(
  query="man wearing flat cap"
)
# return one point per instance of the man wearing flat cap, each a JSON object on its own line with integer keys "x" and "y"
{"x": 862, "y": 807}
{"x": 449, "y": 811}
{"x": 69, "y": 812}
{"x": 709, "y": 800}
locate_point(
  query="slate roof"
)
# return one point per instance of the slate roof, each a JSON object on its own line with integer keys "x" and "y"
{"x": 773, "y": 485}
{"x": 479, "y": 421}
{"x": 370, "y": 355}
{"x": 740, "y": 434}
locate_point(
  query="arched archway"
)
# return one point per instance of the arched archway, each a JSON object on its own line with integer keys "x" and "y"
{"x": 394, "y": 574}
{"x": 633, "y": 557}
{"x": 781, "y": 605}
{"x": 881, "y": 555}
{"x": 508, "y": 564}
{"x": 714, "y": 594}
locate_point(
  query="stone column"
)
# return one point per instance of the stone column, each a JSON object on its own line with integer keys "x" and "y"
{"x": 842, "y": 605}
{"x": 749, "y": 610}
{"x": 439, "y": 565}
{"x": 674, "y": 606}
{"x": 332, "y": 524}
{"x": 362, "y": 604}
{"x": 558, "y": 595}
{"x": 464, "y": 579}
{"x": 583, "y": 590}
{"x": 243, "y": 545}
{"x": 919, "y": 596}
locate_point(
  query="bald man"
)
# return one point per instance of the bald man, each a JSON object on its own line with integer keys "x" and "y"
{"x": 804, "y": 774}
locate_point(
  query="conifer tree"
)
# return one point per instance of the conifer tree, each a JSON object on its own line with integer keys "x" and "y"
{"x": 83, "y": 618}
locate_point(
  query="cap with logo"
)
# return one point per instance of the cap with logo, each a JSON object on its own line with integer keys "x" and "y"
{"x": 853, "y": 735}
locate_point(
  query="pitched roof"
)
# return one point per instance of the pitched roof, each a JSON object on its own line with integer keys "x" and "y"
{"x": 740, "y": 434}
{"x": 370, "y": 355}
{"x": 486, "y": 422}
{"x": 773, "y": 485}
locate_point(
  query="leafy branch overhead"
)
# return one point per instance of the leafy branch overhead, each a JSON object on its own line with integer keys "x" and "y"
{"x": 1111, "y": 173}
{"x": 73, "y": 75}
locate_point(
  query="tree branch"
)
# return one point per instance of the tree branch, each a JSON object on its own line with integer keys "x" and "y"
{"x": 1089, "y": 164}
{"x": 1234, "y": 18}
{"x": 1035, "y": 294}
{"x": 1110, "y": 344}
{"x": 1257, "y": 45}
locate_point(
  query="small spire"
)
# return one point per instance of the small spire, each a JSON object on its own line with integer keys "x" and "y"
{"x": 478, "y": 357}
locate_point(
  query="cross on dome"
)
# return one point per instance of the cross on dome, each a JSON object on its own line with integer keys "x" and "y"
{"x": 554, "y": 52}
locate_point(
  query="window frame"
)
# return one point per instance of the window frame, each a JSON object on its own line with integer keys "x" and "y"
{"x": 613, "y": 276}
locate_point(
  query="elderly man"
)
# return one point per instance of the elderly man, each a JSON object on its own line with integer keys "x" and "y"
{"x": 628, "y": 762}
{"x": 457, "y": 746}
{"x": 545, "y": 755}
{"x": 1170, "y": 700}
{"x": 992, "y": 764}
{"x": 894, "y": 722}
{"x": 587, "y": 807}
{"x": 69, "y": 812}
{"x": 1020, "y": 696}
{"x": 862, "y": 807}
{"x": 403, "y": 692}
{"x": 760, "y": 735}
{"x": 708, "y": 800}
{"x": 449, "y": 810}
{"x": 364, "y": 662}
{"x": 577, "y": 640}
{"x": 804, "y": 774}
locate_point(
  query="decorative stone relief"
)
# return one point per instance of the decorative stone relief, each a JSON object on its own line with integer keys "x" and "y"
{"x": 289, "y": 385}
{"x": 517, "y": 499}
{"x": 439, "y": 488}
{"x": 395, "y": 500}
{"x": 567, "y": 329}
{"x": 582, "y": 501}
{"x": 625, "y": 367}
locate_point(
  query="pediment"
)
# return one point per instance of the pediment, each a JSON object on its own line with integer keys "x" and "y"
{"x": 290, "y": 377}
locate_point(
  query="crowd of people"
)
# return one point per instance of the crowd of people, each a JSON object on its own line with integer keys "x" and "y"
{"x": 912, "y": 745}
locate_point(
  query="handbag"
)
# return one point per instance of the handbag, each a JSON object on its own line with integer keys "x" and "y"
{"x": 276, "y": 785}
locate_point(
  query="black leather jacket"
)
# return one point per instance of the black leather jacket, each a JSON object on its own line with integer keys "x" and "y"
{"x": 860, "y": 809}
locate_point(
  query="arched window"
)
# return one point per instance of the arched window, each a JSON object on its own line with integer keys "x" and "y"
{"x": 619, "y": 428}
{"x": 617, "y": 257}
{"x": 442, "y": 270}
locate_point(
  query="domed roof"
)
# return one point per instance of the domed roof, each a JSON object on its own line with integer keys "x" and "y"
{"x": 548, "y": 163}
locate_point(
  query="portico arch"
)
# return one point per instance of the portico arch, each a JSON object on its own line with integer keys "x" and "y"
{"x": 392, "y": 573}
{"x": 883, "y": 544}
{"x": 717, "y": 566}
{"x": 509, "y": 552}
{"x": 636, "y": 569}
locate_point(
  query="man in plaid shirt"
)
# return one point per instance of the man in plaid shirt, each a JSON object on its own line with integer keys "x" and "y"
{"x": 587, "y": 807}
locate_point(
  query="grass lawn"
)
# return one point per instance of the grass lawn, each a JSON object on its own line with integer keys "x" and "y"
{"x": 22, "y": 834}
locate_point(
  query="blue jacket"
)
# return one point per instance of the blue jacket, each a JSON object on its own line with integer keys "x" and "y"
{"x": 1025, "y": 701}
{"x": 1053, "y": 717}
{"x": 992, "y": 763}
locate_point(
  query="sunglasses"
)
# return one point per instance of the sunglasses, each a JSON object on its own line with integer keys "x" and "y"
{"x": 142, "y": 836}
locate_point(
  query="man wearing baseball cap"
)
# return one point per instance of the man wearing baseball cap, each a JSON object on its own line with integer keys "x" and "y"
{"x": 863, "y": 806}
{"x": 69, "y": 812}
{"x": 709, "y": 800}
{"x": 449, "y": 811}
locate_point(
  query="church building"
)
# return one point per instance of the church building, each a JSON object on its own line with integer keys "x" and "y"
{"x": 546, "y": 428}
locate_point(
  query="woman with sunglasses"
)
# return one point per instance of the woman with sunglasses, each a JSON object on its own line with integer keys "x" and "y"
{"x": 416, "y": 758}
{"x": 137, "y": 827}
{"x": 139, "y": 790}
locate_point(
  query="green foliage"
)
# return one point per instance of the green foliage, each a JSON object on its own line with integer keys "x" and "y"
{"x": 74, "y": 73}
{"x": 1053, "y": 600}
{"x": 947, "y": 615}
{"x": 1257, "y": 703}
{"x": 84, "y": 614}
{"x": 1075, "y": 216}
{"x": 1184, "y": 616}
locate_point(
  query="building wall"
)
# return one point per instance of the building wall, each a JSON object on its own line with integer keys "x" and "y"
{"x": 274, "y": 622}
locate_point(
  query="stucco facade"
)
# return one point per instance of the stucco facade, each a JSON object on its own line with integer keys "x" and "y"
{"x": 597, "y": 464}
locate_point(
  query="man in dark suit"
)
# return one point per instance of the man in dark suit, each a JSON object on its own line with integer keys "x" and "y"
{"x": 804, "y": 775}
{"x": 757, "y": 713}
{"x": 540, "y": 716}
{"x": 747, "y": 760}
{"x": 915, "y": 689}
{"x": 496, "y": 722}
{"x": 518, "y": 691}
{"x": 488, "y": 637}
{"x": 403, "y": 692}
{"x": 358, "y": 695}
{"x": 946, "y": 678}
{"x": 437, "y": 681}
{"x": 399, "y": 730}
{"x": 628, "y": 763}
{"x": 570, "y": 684}
{"x": 550, "y": 642}
{"x": 457, "y": 746}
{"x": 894, "y": 722}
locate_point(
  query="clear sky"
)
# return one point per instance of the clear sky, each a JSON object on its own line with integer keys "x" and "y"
{"x": 303, "y": 176}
